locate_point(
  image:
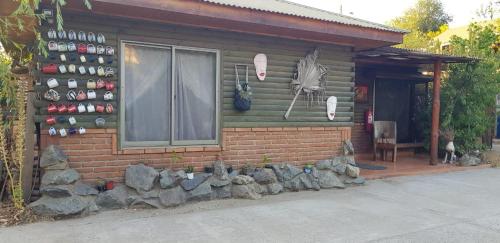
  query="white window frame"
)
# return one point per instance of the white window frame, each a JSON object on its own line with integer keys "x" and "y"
{"x": 172, "y": 141}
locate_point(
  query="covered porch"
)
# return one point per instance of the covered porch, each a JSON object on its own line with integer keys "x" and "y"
{"x": 396, "y": 85}
{"x": 407, "y": 165}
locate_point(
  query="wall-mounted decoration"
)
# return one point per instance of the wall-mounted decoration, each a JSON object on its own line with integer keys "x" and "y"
{"x": 361, "y": 93}
{"x": 260, "y": 62}
{"x": 242, "y": 93}
{"x": 309, "y": 79}
{"x": 331, "y": 107}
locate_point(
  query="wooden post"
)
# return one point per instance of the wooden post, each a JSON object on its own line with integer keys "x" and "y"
{"x": 436, "y": 106}
{"x": 29, "y": 147}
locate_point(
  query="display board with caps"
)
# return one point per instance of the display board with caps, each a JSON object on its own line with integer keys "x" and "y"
{"x": 77, "y": 82}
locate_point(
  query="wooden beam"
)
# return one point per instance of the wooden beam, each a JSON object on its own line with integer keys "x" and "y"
{"x": 29, "y": 148}
{"x": 436, "y": 106}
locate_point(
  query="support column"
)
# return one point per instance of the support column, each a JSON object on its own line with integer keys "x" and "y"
{"x": 436, "y": 106}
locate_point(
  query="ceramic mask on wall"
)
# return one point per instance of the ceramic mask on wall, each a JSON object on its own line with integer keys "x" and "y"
{"x": 331, "y": 106}
{"x": 260, "y": 62}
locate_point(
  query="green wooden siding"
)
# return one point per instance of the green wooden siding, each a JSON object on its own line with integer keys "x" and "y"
{"x": 271, "y": 97}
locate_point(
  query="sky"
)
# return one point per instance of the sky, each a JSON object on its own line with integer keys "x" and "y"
{"x": 381, "y": 11}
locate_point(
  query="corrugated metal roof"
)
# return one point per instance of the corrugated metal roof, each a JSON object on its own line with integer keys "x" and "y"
{"x": 294, "y": 9}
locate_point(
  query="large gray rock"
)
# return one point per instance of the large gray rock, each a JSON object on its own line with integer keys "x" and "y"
{"x": 181, "y": 174}
{"x": 200, "y": 193}
{"x": 146, "y": 203}
{"x": 153, "y": 193}
{"x": 469, "y": 160}
{"x": 274, "y": 188}
{"x": 247, "y": 191}
{"x": 355, "y": 181}
{"x": 60, "y": 166}
{"x": 310, "y": 182}
{"x": 264, "y": 176}
{"x": 60, "y": 177}
{"x": 65, "y": 206}
{"x": 302, "y": 182}
{"x": 352, "y": 171}
{"x": 141, "y": 177}
{"x": 54, "y": 157}
{"x": 113, "y": 199}
{"x": 350, "y": 160}
{"x": 83, "y": 189}
{"x": 189, "y": 185}
{"x": 57, "y": 191}
{"x": 328, "y": 179}
{"x": 220, "y": 170}
{"x": 242, "y": 180}
{"x": 221, "y": 192}
{"x": 220, "y": 176}
{"x": 247, "y": 169}
{"x": 168, "y": 179}
{"x": 339, "y": 165}
{"x": 285, "y": 172}
{"x": 324, "y": 164}
{"x": 172, "y": 197}
{"x": 348, "y": 147}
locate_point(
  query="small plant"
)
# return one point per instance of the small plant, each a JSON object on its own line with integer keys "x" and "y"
{"x": 189, "y": 169}
{"x": 308, "y": 168}
{"x": 266, "y": 160}
{"x": 189, "y": 172}
{"x": 174, "y": 159}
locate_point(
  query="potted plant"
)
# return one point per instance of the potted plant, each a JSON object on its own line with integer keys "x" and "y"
{"x": 101, "y": 185}
{"x": 189, "y": 172}
{"x": 308, "y": 168}
{"x": 229, "y": 169}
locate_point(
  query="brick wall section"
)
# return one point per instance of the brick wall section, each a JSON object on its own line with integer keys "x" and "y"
{"x": 96, "y": 154}
{"x": 361, "y": 139}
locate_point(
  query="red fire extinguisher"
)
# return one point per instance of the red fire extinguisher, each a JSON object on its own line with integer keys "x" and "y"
{"x": 369, "y": 120}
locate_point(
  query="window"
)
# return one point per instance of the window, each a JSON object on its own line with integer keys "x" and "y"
{"x": 169, "y": 95}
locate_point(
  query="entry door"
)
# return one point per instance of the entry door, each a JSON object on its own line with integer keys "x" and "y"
{"x": 392, "y": 103}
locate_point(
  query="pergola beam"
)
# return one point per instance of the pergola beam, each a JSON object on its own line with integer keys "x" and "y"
{"x": 436, "y": 107}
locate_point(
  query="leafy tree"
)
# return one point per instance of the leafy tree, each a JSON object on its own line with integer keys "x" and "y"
{"x": 17, "y": 56}
{"x": 425, "y": 20}
{"x": 469, "y": 91}
{"x": 489, "y": 10}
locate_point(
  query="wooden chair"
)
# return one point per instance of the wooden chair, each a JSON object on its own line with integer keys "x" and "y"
{"x": 385, "y": 138}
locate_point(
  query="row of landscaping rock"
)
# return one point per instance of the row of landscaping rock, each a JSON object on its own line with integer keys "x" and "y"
{"x": 63, "y": 194}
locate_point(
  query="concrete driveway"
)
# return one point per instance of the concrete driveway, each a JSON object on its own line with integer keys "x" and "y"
{"x": 454, "y": 207}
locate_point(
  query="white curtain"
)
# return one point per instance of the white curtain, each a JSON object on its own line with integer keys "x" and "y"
{"x": 195, "y": 74}
{"x": 147, "y": 93}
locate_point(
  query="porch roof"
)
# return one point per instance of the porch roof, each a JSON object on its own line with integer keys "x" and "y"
{"x": 393, "y": 55}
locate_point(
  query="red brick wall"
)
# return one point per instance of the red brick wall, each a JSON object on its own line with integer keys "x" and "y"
{"x": 361, "y": 139}
{"x": 96, "y": 154}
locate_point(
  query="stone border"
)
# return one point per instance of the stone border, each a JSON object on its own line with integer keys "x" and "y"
{"x": 64, "y": 195}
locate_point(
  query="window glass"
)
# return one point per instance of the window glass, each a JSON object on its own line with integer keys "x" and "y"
{"x": 195, "y": 77}
{"x": 147, "y": 99}
{"x": 160, "y": 111}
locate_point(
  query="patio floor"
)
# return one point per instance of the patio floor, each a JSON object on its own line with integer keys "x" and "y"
{"x": 407, "y": 165}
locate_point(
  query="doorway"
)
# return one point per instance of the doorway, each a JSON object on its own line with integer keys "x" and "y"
{"x": 393, "y": 102}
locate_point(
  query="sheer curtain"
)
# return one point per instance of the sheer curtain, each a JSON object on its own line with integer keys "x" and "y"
{"x": 147, "y": 93}
{"x": 195, "y": 74}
